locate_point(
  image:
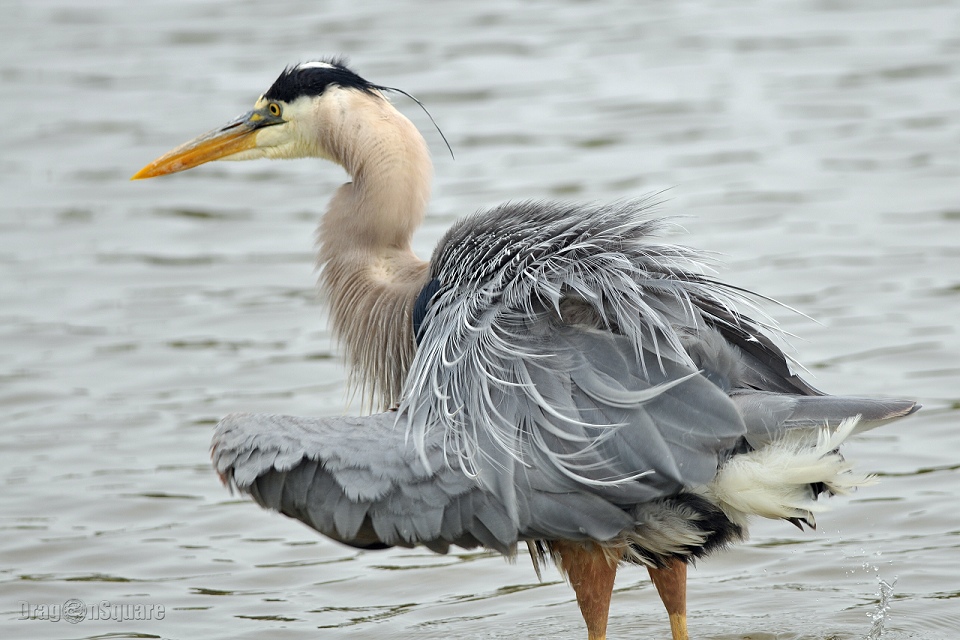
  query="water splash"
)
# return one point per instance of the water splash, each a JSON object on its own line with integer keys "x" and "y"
{"x": 879, "y": 616}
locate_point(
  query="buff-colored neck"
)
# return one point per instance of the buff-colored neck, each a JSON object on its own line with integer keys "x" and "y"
{"x": 370, "y": 275}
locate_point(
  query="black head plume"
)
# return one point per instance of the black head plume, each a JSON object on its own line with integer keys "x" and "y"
{"x": 312, "y": 79}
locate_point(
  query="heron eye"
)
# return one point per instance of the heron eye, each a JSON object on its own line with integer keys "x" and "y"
{"x": 274, "y": 109}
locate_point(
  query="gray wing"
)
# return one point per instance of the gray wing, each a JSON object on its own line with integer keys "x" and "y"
{"x": 361, "y": 481}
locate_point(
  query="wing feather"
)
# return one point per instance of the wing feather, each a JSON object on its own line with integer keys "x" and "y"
{"x": 569, "y": 371}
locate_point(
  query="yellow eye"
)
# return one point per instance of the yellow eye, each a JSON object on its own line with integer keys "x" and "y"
{"x": 274, "y": 109}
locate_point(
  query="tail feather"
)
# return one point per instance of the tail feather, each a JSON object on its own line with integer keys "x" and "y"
{"x": 873, "y": 412}
{"x": 768, "y": 415}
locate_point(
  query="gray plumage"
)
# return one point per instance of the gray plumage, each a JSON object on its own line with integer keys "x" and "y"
{"x": 573, "y": 378}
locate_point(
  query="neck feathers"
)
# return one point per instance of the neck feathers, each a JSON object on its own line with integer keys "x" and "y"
{"x": 370, "y": 274}
{"x": 371, "y": 307}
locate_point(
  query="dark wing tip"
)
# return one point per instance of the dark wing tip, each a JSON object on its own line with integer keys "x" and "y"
{"x": 901, "y": 409}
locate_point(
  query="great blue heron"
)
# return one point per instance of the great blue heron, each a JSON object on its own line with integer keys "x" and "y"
{"x": 559, "y": 377}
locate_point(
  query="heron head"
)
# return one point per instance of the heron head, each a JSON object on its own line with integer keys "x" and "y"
{"x": 296, "y": 117}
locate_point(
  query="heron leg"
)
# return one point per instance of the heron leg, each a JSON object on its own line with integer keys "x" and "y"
{"x": 591, "y": 570}
{"x": 671, "y": 584}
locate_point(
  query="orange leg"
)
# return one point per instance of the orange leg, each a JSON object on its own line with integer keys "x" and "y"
{"x": 591, "y": 571}
{"x": 671, "y": 584}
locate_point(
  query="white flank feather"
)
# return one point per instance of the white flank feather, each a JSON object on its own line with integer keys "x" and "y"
{"x": 774, "y": 481}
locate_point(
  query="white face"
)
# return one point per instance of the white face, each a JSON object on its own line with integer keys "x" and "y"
{"x": 294, "y": 138}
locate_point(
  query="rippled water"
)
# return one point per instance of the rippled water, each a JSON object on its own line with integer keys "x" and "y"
{"x": 815, "y": 145}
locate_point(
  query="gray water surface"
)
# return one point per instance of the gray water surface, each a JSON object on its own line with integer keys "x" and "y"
{"x": 814, "y": 145}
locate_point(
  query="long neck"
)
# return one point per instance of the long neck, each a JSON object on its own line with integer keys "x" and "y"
{"x": 370, "y": 274}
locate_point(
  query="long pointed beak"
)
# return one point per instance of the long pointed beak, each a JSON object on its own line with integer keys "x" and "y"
{"x": 234, "y": 137}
